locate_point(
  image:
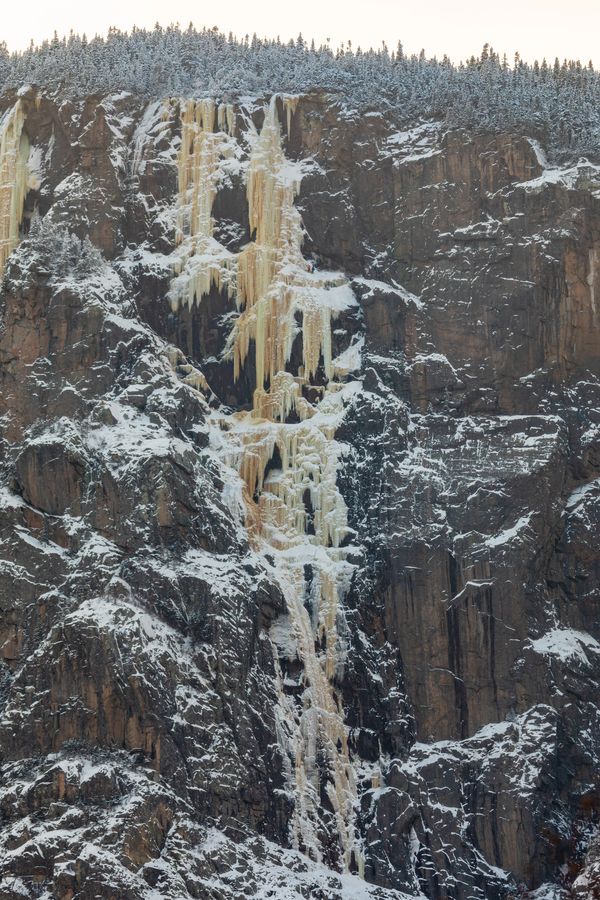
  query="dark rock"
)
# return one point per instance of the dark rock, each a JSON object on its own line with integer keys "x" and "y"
{"x": 140, "y": 699}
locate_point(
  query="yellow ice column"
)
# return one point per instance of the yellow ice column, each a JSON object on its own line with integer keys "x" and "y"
{"x": 274, "y": 281}
{"x": 14, "y": 152}
{"x": 201, "y": 262}
{"x": 226, "y": 118}
{"x": 197, "y": 166}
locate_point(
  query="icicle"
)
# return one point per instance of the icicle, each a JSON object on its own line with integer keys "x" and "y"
{"x": 14, "y": 153}
{"x": 295, "y": 513}
{"x": 202, "y": 262}
{"x": 289, "y": 105}
{"x": 284, "y": 396}
{"x": 226, "y": 118}
{"x": 274, "y": 281}
{"x": 197, "y": 169}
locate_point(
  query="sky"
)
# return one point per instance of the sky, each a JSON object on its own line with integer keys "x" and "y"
{"x": 536, "y": 28}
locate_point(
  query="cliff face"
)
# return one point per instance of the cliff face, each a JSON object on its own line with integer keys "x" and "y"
{"x": 300, "y": 567}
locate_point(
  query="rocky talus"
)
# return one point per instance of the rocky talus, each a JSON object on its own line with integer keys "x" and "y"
{"x": 299, "y": 505}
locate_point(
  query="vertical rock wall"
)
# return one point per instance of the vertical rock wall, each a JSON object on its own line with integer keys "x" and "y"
{"x": 299, "y": 456}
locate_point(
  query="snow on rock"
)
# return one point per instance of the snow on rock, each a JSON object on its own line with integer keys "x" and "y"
{"x": 299, "y": 505}
{"x": 567, "y": 645}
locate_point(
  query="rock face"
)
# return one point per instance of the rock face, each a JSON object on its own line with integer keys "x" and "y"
{"x": 165, "y": 730}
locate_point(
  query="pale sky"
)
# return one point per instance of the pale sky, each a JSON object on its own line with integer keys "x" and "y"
{"x": 535, "y": 28}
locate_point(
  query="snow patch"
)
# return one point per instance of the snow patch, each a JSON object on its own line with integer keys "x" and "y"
{"x": 568, "y": 645}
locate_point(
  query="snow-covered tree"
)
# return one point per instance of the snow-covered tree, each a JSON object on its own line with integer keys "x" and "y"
{"x": 561, "y": 103}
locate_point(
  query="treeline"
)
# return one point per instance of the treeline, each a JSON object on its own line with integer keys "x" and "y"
{"x": 558, "y": 101}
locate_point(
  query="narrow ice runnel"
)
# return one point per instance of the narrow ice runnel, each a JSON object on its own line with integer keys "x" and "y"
{"x": 294, "y": 512}
{"x": 14, "y": 153}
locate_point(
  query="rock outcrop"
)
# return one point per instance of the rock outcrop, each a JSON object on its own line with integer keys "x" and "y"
{"x": 318, "y": 620}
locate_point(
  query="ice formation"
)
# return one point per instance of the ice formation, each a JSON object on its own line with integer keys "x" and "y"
{"x": 202, "y": 262}
{"x": 14, "y": 152}
{"x": 294, "y": 512}
{"x": 275, "y": 286}
{"x": 290, "y": 103}
{"x": 188, "y": 373}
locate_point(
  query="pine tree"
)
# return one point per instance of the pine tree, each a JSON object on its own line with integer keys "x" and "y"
{"x": 563, "y": 100}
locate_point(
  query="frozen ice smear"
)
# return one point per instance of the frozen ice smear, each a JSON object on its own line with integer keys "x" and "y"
{"x": 14, "y": 153}
{"x": 293, "y": 511}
